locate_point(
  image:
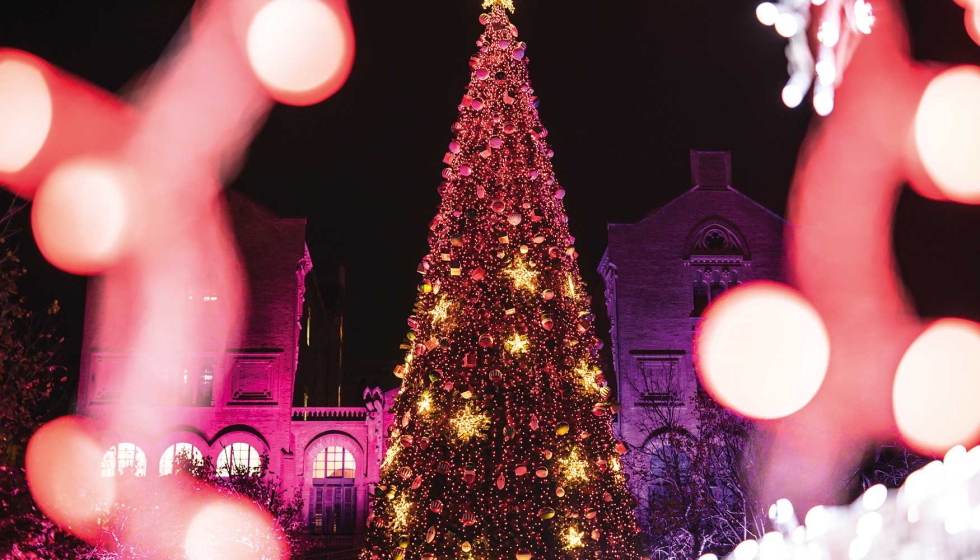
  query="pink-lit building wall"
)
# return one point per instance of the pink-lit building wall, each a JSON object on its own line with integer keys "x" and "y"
{"x": 254, "y": 403}
{"x": 659, "y": 275}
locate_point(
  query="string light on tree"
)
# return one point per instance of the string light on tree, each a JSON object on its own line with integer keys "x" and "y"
{"x": 478, "y": 437}
{"x": 401, "y": 507}
{"x": 440, "y": 312}
{"x": 571, "y": 287}
{"x": 393, "y": 450}
{"x": 425, "y": 403}
{"x": 837, "y": 25}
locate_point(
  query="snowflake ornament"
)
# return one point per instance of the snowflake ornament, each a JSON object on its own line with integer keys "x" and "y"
{"x": 822, "y": 37}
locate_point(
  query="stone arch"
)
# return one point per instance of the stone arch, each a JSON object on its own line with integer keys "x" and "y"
{"x": 334, "y": 439}
{"x": 241, "y": 428}
{"x": 651, "y": 439}
{"x": 175, "y": 435}
{"x": 716, "y": 236}
{"x": 238, "y": 434}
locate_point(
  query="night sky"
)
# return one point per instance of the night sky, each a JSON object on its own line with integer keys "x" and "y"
{"x": 627, "y": 88}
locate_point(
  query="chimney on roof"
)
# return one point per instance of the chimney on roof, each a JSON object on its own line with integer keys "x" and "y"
{"x": 711, "y": 170}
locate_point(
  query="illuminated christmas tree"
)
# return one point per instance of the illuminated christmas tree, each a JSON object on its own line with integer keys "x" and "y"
{"x": 502, "y": 444}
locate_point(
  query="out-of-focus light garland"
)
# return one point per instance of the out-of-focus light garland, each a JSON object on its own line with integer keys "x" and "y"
{"x": 934, "y": 515}
{"x": 838, "y": 26}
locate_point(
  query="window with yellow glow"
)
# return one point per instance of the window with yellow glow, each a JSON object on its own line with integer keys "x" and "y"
{"x": 186, "y": 451}
{"x": 334, "y": 462}
{"x": 239, "y": 458}
{"x": 124, "y": 459}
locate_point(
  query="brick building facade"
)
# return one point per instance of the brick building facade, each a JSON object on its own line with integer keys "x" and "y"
{"x": 288, "y": 356}
{"x": 660, "y": 274}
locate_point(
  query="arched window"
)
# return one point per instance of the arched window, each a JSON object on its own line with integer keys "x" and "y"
{"x": 669, "y": 467}
{"x": 179, "y": 452}
{"x": 239, "y": 458}
{"x": 334, "y": 462}
{"x": 124, "y": 459}
{"x": 700, "y": 295}
{"x": 715, "y": 240}
{"x": 717, "y": 286}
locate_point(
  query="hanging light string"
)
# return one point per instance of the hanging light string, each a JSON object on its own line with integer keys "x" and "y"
{"x": 838, "y": 26}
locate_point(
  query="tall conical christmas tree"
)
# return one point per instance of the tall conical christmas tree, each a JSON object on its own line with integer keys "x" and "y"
{"x": 502, "y": 444}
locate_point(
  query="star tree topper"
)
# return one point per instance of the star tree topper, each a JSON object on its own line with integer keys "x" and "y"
{"x": 506, "y": 4}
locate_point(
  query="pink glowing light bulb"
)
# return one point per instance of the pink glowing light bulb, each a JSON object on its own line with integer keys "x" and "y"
{"x": 25, "y": 113}
{"x": 947, "y": 133}
{"x": 301, "y": 50}
{"x": 763, "y": 350}
{"x": 82, "y": 215}
{"x": 971, "y": 19}
{"x": 63, "y": 464}
{"x": 934, "y": 395}
{"x": 232, "y": 530}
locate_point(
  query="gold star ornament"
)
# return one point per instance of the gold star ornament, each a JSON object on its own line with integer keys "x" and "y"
{"x": 517, "y": 344}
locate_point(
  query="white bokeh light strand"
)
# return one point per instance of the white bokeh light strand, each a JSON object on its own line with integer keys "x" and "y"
{"x": 935, "y": 515}
{"x": 837, "y": 26}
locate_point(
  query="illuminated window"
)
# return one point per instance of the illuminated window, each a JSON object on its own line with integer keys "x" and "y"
{"x": 205, "y": 385}
{"x": 334, "y": 462}
{"x": 183, "y": 451}
{"x": 124, "y": 459}
{"x": 239, "y": 458}
{"x": 186, "y": 389}
{"x": 308, "y": 313}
